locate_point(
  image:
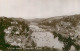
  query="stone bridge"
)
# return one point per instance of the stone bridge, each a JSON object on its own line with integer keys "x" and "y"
{"x": 38, "y": 30}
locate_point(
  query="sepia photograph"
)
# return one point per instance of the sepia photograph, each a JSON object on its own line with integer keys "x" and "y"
{"x": 39, "y": 25}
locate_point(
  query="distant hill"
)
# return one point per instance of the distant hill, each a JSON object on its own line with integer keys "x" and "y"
{"x": 53, "y": 20}
{"x": 36, "y": 20}
{"x": 21, "y": 19}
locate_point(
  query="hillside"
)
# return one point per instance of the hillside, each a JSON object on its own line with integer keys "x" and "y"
{"x": 50, "y": 21}
{"x": 67, "y": 29}
{"x": 13, "y": 33}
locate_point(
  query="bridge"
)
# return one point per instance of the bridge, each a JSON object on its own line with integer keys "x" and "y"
{"x": 35, "y": 28}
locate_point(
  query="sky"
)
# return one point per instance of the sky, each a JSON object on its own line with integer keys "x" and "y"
{"x": 29, "y": 9}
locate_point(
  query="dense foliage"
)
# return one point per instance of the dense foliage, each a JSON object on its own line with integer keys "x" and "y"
{"x": 11, "y": 29}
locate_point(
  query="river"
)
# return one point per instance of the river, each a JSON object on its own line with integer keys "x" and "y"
{"x": 45, "y": 38}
